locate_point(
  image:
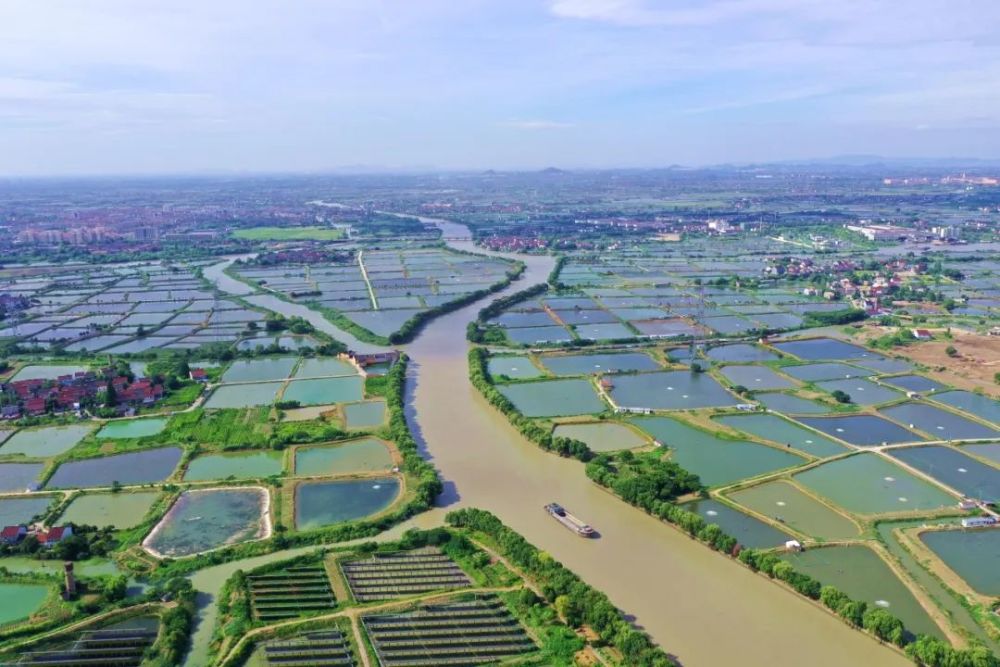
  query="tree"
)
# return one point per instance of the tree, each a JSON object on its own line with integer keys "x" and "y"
{"x": 951, "y": 351}
{"x": 110, "y": 395}
{"x": 115, "y": 588}
{"x": 841, "y": 396}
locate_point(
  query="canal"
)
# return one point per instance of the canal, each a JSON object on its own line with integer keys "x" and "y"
{"x": 697, "y": 604}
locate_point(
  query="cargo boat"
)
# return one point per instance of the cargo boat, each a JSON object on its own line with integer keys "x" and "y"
{"x": 565, "y": 518}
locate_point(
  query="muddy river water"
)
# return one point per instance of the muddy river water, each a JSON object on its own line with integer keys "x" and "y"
{"x": 698, "y": 605}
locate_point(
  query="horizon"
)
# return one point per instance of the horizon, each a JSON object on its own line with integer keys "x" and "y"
{"x": 182, "y": 88}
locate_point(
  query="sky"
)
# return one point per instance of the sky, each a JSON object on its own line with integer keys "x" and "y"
{"x": 182, "y": 86}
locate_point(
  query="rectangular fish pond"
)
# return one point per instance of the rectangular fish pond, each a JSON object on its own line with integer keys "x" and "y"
{"x": 815, "y": 349}
{"x": 20, "y": 601}
{"x": 121, "y": 510}
{"x": 784, "y": 432}
{"x": 19, "y": 476}
{"x": 973, "y": 554}
{"x": 831, "y": 370}
{"x": 586, "y": 364}
{"x": 259, "y": 370}
{"x": 870, "y": 484}
{"x": 132, "y": 428}
{"x": 602, "y": 436}
{"x": 756, "y": 378}
{"x": 861, "y": 391}
{"x": 791, "y": 405}
{"x": 42, "y": 372}
{"x": 783, "y": 501}
{"x": 938, "y": 423}
{"x": 554, "y": 398}
{"x": 205, "y": 519}
{"x": 238, "y": 465}
{"x": 515, "y": 368}
{"x": 863, "y": 575}
{"x": 669, "y": 390}
{"x": 14, "y": 511}
{"x": 364, "y": 414}
{"x": 861, "y": 430}
{"x": 324, "y": 367}
{"x": 243, "y": 395}
{"x": 354, "y": 456}
{"x": 748, "y": 531}
{"x": 150, "y": 465}
{"x": 325, "y": 390}
{"x": 45, "y": 442}
{"x": 319, "y": 504}
{"x": 954, "y": 469}
{"x": 983, "y": 407}
{"x": 715, "y": 460}
{"x": 740, "y": 352}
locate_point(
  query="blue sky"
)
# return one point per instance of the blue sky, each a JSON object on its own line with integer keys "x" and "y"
{"x": 118, "y": 86}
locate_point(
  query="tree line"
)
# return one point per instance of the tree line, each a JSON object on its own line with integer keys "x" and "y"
{"x": 578, "y": 602}
{"x": 628, "y": 480}
{"x": 529, "y": 428}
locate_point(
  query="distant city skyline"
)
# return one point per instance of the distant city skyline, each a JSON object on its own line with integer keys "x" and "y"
{"x": 117, "y": 87}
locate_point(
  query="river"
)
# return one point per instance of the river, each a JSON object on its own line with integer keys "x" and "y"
{"x": 697, "y": 604}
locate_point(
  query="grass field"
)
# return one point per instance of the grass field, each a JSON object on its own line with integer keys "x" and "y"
{"x": 289, "y": 234}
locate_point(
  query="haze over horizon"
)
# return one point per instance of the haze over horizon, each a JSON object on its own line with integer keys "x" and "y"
{"x": 182, "y": 86}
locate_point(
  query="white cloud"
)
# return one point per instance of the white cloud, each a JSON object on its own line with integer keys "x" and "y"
{"x": 537, "y": 124}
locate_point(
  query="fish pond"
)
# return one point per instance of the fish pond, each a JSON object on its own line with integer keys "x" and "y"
{"x": 20, "y": 601}
{"x": 515, "y": 368}
{"x": 259, "y": 370}
{"x": 791, "y": 405}
{"x": 45, "y": 442}
{"x": 756, "y": 377}
{"x": 14, "y": 511}
{"x": 861, "y": 430}
{"x": 585, "y": 364}
{"x": 602, "y": 436}
{"x": 954, "y": 469}
{"x": 364, "y": 414}
{"x": 788, "y": 504}
{"x": 554, "y": 398}
{"x": 870, "y": 484}
{"x": 983, "y": 407}
{"x": 715, "y": 460}
{"x": 823, "y": 348}
{"x": 973, "y": 554}
{"x": 132, "y": 428}
{"x": 151, "y": 465}
{"x": 669, "y": 390}
{"x": 916, "y": 383}
{"x": 861, "y": 391}
{"x": 782, "y": 431}
{"x": 748, "y": 531}
{"x": 46, "y": 372}
{"x": 319, "y": 504}
{"x": 206, "y": 519}
{"x": 19, "y": 476}
{"x": 860, "y": 573}
{"x": 244, "y": 395}
{"x": 740, "y": 352}
{"x": 325, "y": 390}
{"x": 325, "y": 367}
{"x": 121, "y": 510}
{"x": 364, "y": 455}
{"x": 238, "y": 465}
{"x": 940, "y": 424}
{"x": 825, "y": 371}
{"x": 990, "y": 451}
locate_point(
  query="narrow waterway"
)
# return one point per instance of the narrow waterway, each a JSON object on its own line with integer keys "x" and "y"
{"x": 698, "y": 605}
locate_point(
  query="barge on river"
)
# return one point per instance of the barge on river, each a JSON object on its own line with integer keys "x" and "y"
{"x": 565, "y": 518}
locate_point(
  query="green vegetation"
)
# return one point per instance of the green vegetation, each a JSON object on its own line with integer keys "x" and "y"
{"x": 531, "y": 429}
{"x": 834, "y": 317}
{"x": 578, "y": 602}
{"x": 289, "y": 234}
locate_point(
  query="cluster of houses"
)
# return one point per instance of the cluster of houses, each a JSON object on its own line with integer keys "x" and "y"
{"x": 13, "y": 535}
{"x": 68, "y": 393}
{"x": 365, "y": 361}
